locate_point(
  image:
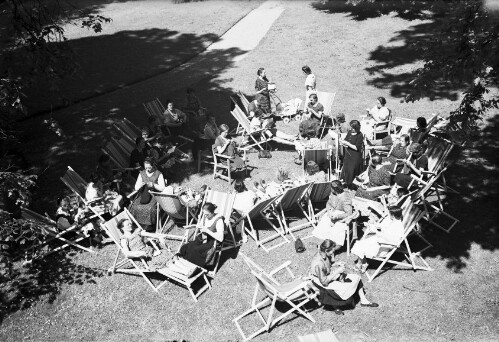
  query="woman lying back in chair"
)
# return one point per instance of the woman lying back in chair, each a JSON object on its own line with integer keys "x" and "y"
{"x": 336, "y": 288}
{"x": 201, "y": 249}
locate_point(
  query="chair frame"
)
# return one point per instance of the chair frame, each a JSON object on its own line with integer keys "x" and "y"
{"x": 411, "y": 217}
{"x": 143, "y": 271}
{"x": 327, "y": 100}
{"x": 302, "y": 293}
{"x": 172, "y": 207}
{"x": 313, "y": 155}
{"x": 247, "y": 132}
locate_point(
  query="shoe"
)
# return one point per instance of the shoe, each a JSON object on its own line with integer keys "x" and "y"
{"x": 339, "y": 312}
{"x": 370, "y": 305}
{"x": 244, "y": 239}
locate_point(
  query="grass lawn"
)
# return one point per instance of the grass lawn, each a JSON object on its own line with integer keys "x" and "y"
{"x": 360, "y": 60}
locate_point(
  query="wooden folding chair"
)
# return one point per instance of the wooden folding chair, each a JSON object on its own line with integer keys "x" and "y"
{"x": 326, "y": 99}
{"x": 248, "y": 133}
{"x": 244, "y": 100}
{"x": 411, "y": 216}
{"x": 141, "y": 267}
{"x": 173, "y": 210}
{"x": 118, "y": 151}
{"x": 68, "y": 237}
{"x": 296, "y": 294}
{"x": 128, "y": 129}
{"x": 318, "y": 193}
{"x": 155, "y": 108}
{"x": 294, "y": 198}
{"x": 261, "y": 210}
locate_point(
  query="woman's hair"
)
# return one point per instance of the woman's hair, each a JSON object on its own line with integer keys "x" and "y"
{"x": 327, "y": 245}
{"x": 376, "y": 160}
{"x": 239, "y": 185}
{"x": 337, "y": 187}
{"x": 121, "y": 223}
{"x": 312, "y": 168}
{"x": 210, "y": 207}
{"x": 416, "y": 148}
{"x": 138, "y": 140}
{"x": 282, "y": 174}
{"x": 306, "y": 69}
{"x": 209, "y": 116}
{"x": 382, "y": 100}
{"x": 405, "y": 138}
{"x": 223, "y": 128}
{"x": 103, "y": 158}
{"x": 62, "y": 199}
{"x": 395, "y": 212}
{"x": 260, "y": 70}
{"x": 145, "y": 131}
{"x": 150, "y": 161}
{"x": 402, "y": 192}
{"x": 313, "y": 96}
{"x": 355, "y": 124}
{"x": 421, "y": 122}
{"x": 168, "y": 102}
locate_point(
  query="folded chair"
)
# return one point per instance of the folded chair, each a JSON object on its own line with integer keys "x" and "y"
{"x": 263, "y": 209}
{"x": 321, "y": 156}
{"x": 326, "y": 99}
{"x": 292, "y": 199}
{"x": 295, "y": 294}
{"x": 411, "y": 217}
{"x": 139, "y": 266}
{"x": 68, "y": 237}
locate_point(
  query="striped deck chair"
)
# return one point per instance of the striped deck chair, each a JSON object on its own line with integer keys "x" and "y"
{"x": 326, "y": 99}
{"x": 173, "y": 210}
{"x": 128, "y": 129}
{"x": 68, "y": 237}
{"x": 411, "y": 217}
{"x": 296, "y": 293}
{"x": 401, "y": 125}
{"x": 319, "y": 193}
{"x": 261, "y": 210}
{"x": 320, "y": 156}
{"x": 117, "y": 150}
{"x": 75, "y": 182}
{"x": 244, "y": 100}
{"x": 176, "y": 271}
{"x": 155, "y": 108}
{"x": 248, "y": 133}
{"x": 294, "y": 198}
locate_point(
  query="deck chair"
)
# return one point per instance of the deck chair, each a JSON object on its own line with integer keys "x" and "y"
{"x": 411, "y": 216}
{"x": 222, "y": 166}
{"x": 175, "y": 272}
{"x": 318, "y": 193}
{"x": 321, "y": 156}
{"x": 244, "y": 100}
{"x": 326, "y": 99}
{"x": 173, "y": 210}
{"x": 75, "y": 182}
{"x": 119, "y": 154}
{"x": 225, "y": 203}
{"x": 402, "y": 125}
{"x": 248, "y": 133}
{"x": 155, "y": 108}
{"x": 296, "y": 294}
{"x": 128, "y": 129}
{"x": 431, "y": 196}
{"x": 294, "y": 198}
{"x": 68, "y": 237}
{"x": 261, "y": 210}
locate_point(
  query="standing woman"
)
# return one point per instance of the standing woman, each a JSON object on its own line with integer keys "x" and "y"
{"x": 352, "y": 160}
{"x": 262, "y": 87}
{"x": 224, "y": 145}
{"x": 310, "y": 83}
{"x": 144, "y": 206}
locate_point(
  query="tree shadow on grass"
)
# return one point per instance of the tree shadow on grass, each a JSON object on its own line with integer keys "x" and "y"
{"x": 43, "y": 279}
{"x": 396, "y": 63}
{"x": 475, "y": 176}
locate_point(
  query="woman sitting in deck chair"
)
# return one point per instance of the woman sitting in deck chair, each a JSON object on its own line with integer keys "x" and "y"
{"x": 336, "y": 288}
{"x": 201, "y": 249}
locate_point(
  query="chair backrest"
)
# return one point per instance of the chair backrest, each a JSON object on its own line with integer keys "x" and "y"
{"x": 260, "y": 206}
{"x": 120, "y": 157}
{"x": 170, "y": 205}
{"x": 320, "y": 156}
{"x": 326, "y": 99}
{"x": 223, "y": 200}
{"x": 244, "y": 100}
{"x": 75, "y": 182}
{"x": 437, "y": 152}
{"x": 411, "y": 215}
{"x": 241, "y": 119}
{"x": 30, "y": 215}
{"x": 154, "y": 107}
{"x": 125, "y": 144}
{"x": 292, "y": 196}
{"x": 319, "y": 192}
{"x": 111, "y": 226}
{"x": 127, "y": 128}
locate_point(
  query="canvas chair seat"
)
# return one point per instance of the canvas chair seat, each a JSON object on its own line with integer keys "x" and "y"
{"x": 327, "y": 100}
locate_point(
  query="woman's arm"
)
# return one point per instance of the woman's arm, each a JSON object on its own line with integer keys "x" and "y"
{"x": 139, "y": 183}
{"x": 219, "y": 233}
{"x": 131, "y": 254}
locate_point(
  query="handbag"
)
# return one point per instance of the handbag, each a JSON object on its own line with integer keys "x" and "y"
{"x": 299, "y": 246}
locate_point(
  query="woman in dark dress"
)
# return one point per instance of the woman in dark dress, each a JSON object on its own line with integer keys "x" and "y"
{"x": 201, "y": 250}
{"x": 418, "y": 162}
{"x": 224, "y": 145}
{"x": 378, "y": 176}
{"x": 261, "y": 87}
{"x": 352, "y": 160}
{"x": 399, "y": 151}
{"x": 144, "y": 206}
